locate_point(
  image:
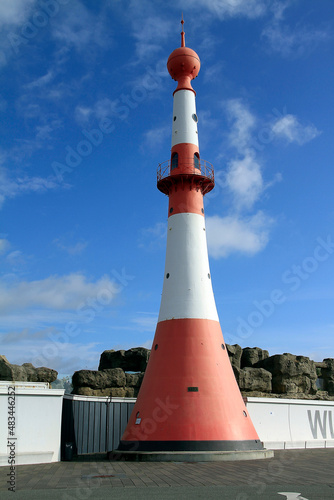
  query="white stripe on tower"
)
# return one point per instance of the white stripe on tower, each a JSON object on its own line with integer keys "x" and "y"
{"x": 187, "y": 289}
{"x": 184, "y": 124}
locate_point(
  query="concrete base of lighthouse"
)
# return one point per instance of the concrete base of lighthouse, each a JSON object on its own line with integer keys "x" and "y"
{"x": 190, "y": 451}
{"x": 189, "y": 456}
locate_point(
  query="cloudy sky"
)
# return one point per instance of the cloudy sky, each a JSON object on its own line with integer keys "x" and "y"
{"x": 86, "y": 115}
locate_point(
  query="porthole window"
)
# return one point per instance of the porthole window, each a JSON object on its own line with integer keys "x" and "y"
{"x": 195, "y": 117}
{"x": 167, "y": 275}
{"x": 171, "y": 210}
{"x": 174, "y": 118}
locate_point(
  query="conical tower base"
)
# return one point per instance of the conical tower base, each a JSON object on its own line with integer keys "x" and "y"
{"x": 189, "y": 401}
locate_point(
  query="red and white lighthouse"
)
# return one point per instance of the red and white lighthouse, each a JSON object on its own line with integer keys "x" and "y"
{"x": 189, "y": 400}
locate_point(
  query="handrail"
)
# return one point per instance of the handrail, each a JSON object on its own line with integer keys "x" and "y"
{"x": 203, "y": 168}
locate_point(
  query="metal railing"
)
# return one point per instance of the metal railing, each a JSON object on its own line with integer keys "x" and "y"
{"x": 202, "y": 168}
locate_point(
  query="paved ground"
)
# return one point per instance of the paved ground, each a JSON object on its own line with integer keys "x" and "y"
{"x": 307, "y": 473}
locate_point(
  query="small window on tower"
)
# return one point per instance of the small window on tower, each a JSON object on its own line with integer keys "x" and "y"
{"x": 196, "y": 160}
{"x": 175, "y": 161}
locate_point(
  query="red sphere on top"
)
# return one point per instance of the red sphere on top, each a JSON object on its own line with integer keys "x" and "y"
{"x": 183, "y": 61}
{"x": 183, "y": 65}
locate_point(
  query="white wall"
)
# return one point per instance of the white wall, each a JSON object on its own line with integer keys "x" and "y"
{"x": 293, "y": 423}
{"x": 38, "y": 413}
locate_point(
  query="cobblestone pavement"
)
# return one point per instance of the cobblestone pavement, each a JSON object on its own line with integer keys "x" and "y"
{"x": 288, "y": 467}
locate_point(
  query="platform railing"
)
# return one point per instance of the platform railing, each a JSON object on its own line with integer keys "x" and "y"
{"x": 202, "y": 167}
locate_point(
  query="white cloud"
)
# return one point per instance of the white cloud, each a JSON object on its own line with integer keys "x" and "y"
{"x": 15, "y": 336}
{"x": 4, "y": 245}
{"x": 71, "y": 248}
{"x": 146, "y": 322}
{"x": 213, "y": 73}
{"x": 242, "y": 124}
{"x": 232, "y": 8}
{"x": 244, "y": 174}
{"x": 82, "y": 114}
{"x": 244, "y": 179}
{"x": 13, "y": 17}
{"x": 153, "y": 237}
{"x": 105, "y": 108}
{"x": 15, "y": 13}
{"x": 65, "y": 357}
{"x": 233, "y": 233}
{"x": 289, "y": 128}
{"x": 148, "y": 29}
{"x": 78, "y": 27}
{"x": 238, "y": 232}
{"x": 56, "y": 292}
{"x": 44, "y": 132}
{"x": 293, "y": 42}
{"x": 15, "y": 259}
{"x": 149, "y": 33}
{"x": 11, "y": 187}
{"x": 41, "y": 81}
{"x": 155, "y": 137}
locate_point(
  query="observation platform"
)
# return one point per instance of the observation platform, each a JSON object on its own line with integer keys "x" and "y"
{"x": 199, "y": 175}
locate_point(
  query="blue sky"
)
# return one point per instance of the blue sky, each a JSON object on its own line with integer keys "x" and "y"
{"x": 86, "y": 116}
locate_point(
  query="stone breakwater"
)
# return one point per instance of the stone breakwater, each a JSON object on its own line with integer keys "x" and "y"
{"x": 120, "y": 374}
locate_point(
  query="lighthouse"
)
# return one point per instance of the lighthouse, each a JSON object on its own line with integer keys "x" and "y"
{"x": 189, "y": 401}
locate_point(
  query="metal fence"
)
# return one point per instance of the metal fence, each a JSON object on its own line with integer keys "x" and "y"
{"x": 94, "y": 425}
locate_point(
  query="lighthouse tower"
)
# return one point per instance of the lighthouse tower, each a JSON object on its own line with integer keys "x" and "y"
{"x": 189, "y": 401}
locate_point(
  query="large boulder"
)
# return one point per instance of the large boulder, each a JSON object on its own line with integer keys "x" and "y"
{"x": 114, "y": 377}
{"x": 134, "y": 379}
{"x": 132, "y": 360}
{"x": 252, "y": 355}
{"x": 234, "y": 353}
{"x": 115, "y": 392}
{"x": 25, "y": 373}
{"x": 255, "y": 379}
{"x": 291, "y": 374}
{"x": 327, "y": 372}
{"x": 112, "y": 382}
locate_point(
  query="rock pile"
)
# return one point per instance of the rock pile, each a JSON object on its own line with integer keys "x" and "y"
{"x": 257, "y": 373}
{"x": 120, "y": 374}
{"x": 290, "y": 374}
{"x": 326, "y": 375}
{"x": 26, "y": 372}
{"x": 112, "y": 379}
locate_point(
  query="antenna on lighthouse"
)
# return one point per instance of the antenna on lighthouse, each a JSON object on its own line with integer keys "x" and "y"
{"x": 183, "y": 43}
